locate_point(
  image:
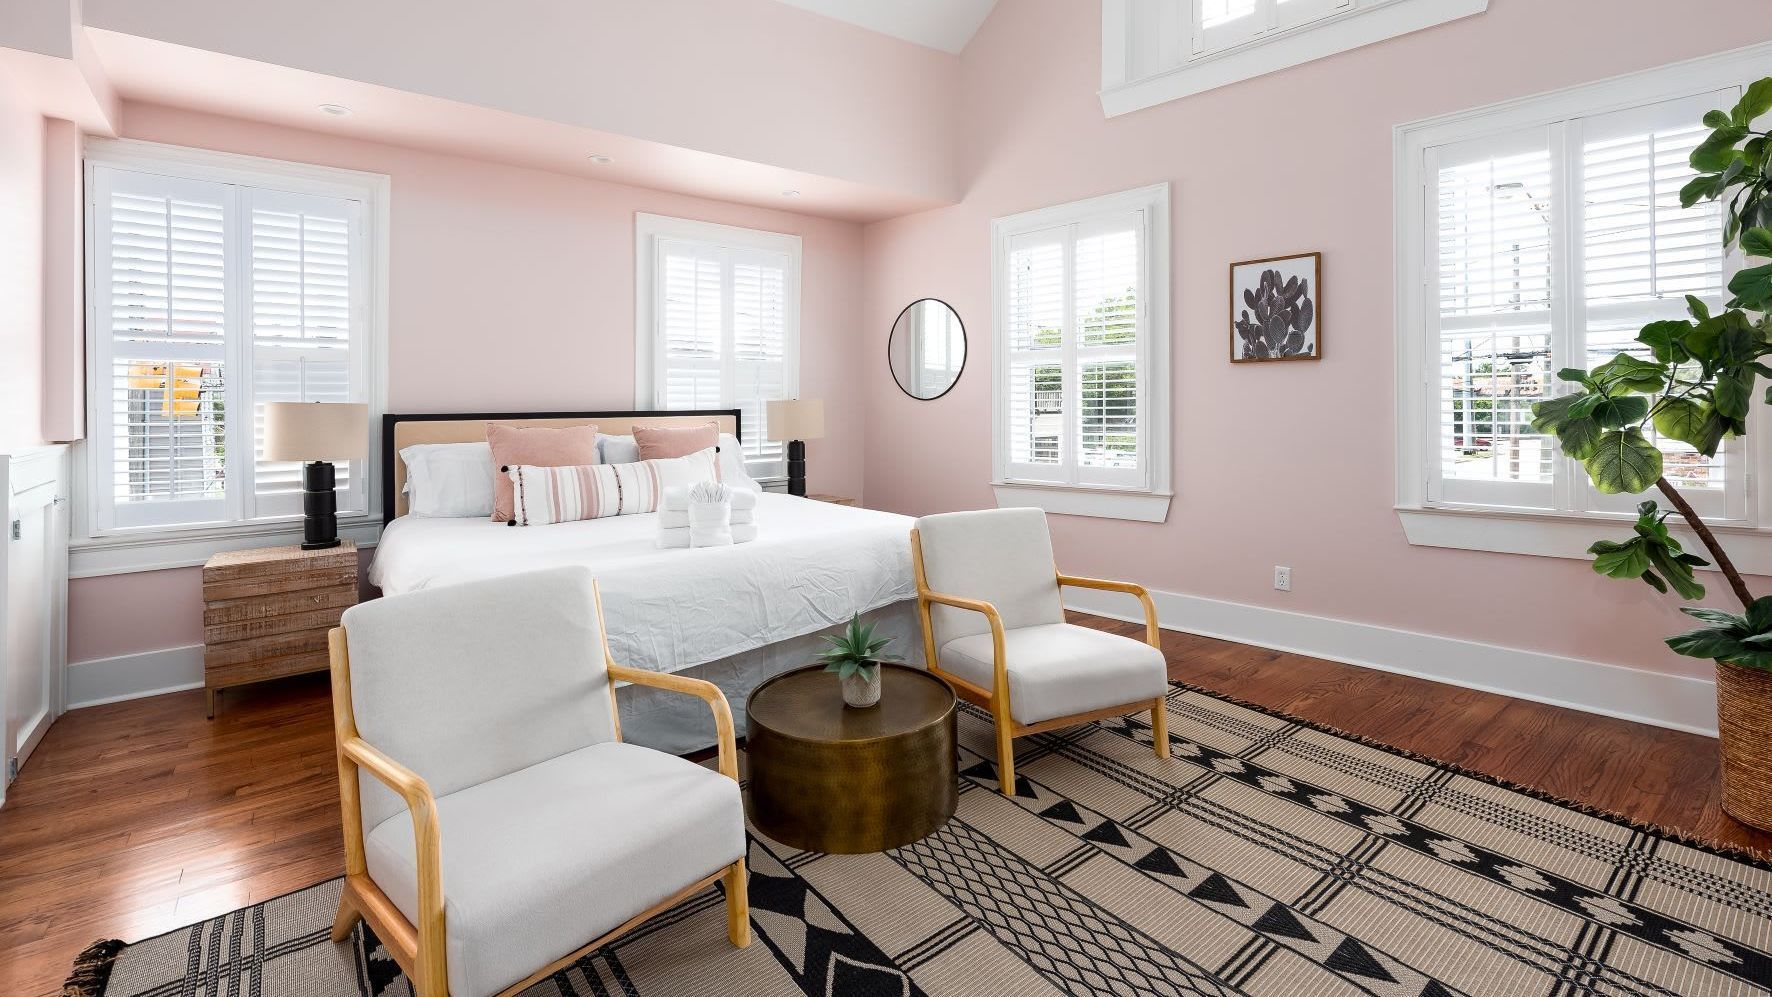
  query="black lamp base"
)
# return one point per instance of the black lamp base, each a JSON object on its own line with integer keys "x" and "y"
{"x": 319, "y": 503}
{"x": 797, "y": 467}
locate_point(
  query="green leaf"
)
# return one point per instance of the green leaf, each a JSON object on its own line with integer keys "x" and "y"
{"x": 1631, "y": 373}
{"x": 1623, "y": 462}
{"x": 1553, "y": 412}
{"x": 1665, "y": 338}
{"x": 1757, "y": 241}
{"x": 1716, "y": 119}
{"x": 1699, "y": 188}
{"x": 1579, "y": 437}
{"x": 1733, "y": 394}
{"x": 1572, "y": 374}
{"x": 1625, "y": 410}
{"x": 1678, "y": 574}
{"x": 1753, "y": 287}
{"x": 1759, "y": 615}
{"x": 1715, "y": 152}
{"x": 1628, "y": 561}
{"x": 1707, "y": 643}
{"x": 1720, "y": 617}
{"x": 1697, "y": 307}
{"x": 1682, "y": 419}
{"x": 1755, "y": 102}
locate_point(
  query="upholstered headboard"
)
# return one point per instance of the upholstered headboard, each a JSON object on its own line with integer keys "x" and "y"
{"x": 405, "y": 430}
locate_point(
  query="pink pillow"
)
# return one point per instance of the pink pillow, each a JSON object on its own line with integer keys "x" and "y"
{"x": 665, "y": 442}
{"x": 534, "y": 446}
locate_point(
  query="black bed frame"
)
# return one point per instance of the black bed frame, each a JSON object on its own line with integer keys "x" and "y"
{"x": 389, "y": 455}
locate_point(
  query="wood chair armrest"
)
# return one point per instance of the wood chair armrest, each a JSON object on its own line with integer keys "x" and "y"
{"x": 707, "y": 692}
{"x": 427, "y": 837}
{"x": 1152, "y": 635}
{"x": 999, "y": 660}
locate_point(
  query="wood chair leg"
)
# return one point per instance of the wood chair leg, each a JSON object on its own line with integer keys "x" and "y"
{"x": 738, "y": 905}
{"x": 346, "y": 919}
{"x": 1160, "y": 726}
{"x": 1005, "y": 758}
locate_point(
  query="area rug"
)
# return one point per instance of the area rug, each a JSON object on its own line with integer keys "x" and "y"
{"x": 1268, "y": 856}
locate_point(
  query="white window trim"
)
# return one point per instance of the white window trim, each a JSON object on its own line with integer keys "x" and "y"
{"x": 1365, "y": 25}
{"x": 1147, "y": 504}
{"x": 1542, "y": 533}
{"x": 648, "y": 229}
{"x": 120, "y": 552}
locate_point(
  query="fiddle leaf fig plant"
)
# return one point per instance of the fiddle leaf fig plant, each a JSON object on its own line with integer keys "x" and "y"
{"x": 1696, "y": 386}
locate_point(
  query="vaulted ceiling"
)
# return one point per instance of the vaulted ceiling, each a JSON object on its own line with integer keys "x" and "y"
{"x": 939, "y": 24}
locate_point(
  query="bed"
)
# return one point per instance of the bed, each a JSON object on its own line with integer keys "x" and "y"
{"x": 733, "y": 615}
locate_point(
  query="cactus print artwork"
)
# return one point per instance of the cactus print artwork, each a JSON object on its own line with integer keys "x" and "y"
{"x": 1276, "y": 309}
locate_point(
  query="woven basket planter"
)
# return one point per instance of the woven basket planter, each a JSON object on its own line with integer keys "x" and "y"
{"x": 1744, "y": 725}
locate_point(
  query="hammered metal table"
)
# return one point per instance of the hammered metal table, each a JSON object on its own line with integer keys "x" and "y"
{"x": 829, "y": 778}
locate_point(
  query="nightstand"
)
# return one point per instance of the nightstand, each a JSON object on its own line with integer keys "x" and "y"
{"x": 266, "y": 612}
{"x": 832, "y": 499}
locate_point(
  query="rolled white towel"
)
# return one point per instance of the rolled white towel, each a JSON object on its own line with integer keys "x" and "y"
{"x": 678, "y": 519}
{"x": 669, "y": 539}
{"x": 744, "y": 533}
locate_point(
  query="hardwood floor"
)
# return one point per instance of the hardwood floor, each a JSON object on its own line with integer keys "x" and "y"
{"x": 140, "y": 817}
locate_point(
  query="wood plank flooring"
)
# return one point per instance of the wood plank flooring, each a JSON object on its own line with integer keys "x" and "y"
{"x": 140, "y": 817}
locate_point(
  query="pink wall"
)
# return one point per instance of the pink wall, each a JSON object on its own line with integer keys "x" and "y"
{"x": 1290, "y": 463}
{"x": 509, "y": 289}
{"x": 21, "y": 272}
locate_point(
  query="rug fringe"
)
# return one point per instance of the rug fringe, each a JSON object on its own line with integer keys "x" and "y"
{"x": 92, "y": 969}
{"x": 1739, "y": 853}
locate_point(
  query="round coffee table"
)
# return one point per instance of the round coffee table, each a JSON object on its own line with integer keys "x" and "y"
{"x": 828, "y": 778}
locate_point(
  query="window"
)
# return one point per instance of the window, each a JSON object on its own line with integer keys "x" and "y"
{"x": 1545, "y": 235}
{"x": 1082, "y": 356}
{"x": 1160, "y": 50}
{"x": 718, "y": 312}
{"x": 216, "y": 284}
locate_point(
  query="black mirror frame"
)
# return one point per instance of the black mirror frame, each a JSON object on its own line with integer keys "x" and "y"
{"x": 965, "y": 340}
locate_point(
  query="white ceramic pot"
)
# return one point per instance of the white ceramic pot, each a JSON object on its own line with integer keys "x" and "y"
{"x": 861, "y": 692}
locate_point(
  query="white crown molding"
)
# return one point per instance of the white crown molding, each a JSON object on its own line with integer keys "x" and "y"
{"x": 1673, "y": 701}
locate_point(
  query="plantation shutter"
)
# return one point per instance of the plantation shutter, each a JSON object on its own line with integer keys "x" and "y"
{"x": 304, "y": 328}
{"x": 161, "y": 342}
{"x": 1074, "y": 398}
{"x": 1222, "y": 24}
{"x": 1642, "y": 254}
{"x": 1492, "y": 203}
{"x": 722, "y": 336}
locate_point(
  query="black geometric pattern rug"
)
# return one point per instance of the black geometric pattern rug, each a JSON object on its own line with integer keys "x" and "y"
{"x": 1268, "y": 856}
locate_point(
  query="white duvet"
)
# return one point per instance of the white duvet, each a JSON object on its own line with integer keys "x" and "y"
{"x": 812, "y": 565}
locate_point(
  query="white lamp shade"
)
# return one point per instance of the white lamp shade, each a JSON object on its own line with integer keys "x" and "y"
{"x": 316, "y": 430}
{"x": 795, "y": 419}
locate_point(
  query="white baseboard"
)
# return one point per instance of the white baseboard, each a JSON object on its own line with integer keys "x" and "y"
{"x": 1688, "y": 704}
{"x": 132, "y": 676}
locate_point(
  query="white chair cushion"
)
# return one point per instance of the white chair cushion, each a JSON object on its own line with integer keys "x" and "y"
{"x": 1058, "y": 670}
{"x": 542, "y": 861}
{"x": 999, "y": 556}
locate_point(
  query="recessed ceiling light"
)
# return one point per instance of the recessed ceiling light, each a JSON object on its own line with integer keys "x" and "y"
{"x": 790, "y": 193}
{"x": 336, "y": 110}
{"x": 601, "y": 160}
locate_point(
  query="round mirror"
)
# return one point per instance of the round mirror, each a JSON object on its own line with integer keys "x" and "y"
{"x": 927, "y": 350}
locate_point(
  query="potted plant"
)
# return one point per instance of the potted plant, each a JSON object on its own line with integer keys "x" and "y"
{"x": 855, "y": 656}
{"x": 1693, "y": 380}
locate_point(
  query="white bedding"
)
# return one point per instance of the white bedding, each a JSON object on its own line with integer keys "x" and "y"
{"x": 813, "y": 564}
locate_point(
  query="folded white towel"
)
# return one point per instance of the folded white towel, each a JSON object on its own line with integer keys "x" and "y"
{"x": 668, "y": 539}
{"x": 676, "y": 498}
{"x": 710, "y": 536}
{"x": 744, "y": 533}
{"x": 675, "y": 519}
{"x": 743, "y": 499}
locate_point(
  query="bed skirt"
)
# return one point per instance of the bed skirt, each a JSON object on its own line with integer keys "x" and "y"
{"x": 680, "y": 724}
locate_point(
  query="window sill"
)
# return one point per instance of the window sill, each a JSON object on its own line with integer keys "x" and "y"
{"x": 1100, "y": 503}
{"x": 157, "y": 551}
{"x": 1554, "y": 535}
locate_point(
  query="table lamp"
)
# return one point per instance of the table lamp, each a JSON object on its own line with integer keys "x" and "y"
{"x": 317, "y": 433}
{"x": 795, "y": 421}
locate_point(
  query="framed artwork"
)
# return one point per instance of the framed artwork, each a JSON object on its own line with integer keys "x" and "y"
{"x": 1277, "y": 309}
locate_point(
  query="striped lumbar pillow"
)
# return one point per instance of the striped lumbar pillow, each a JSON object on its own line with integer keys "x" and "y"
{"x": 546, "y": 495}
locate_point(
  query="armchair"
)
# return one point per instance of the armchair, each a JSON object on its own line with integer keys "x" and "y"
{"x": 988, "y": 592}
{"x": 496, "y": 827}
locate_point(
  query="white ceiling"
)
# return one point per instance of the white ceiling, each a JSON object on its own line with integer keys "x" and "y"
{"x": 940, "y": 24}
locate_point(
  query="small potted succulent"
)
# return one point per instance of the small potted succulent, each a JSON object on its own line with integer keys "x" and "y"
{"x": 855, "y": 656}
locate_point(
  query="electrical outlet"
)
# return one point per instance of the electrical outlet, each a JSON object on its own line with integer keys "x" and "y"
{"x": 1282, "y": 578}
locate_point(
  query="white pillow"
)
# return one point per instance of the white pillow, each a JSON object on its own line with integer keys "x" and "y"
{"x": 448, "y": 480}
{"x": 623, "y": 450}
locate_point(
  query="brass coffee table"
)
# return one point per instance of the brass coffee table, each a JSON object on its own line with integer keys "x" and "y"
{"x": 828, "y": 778}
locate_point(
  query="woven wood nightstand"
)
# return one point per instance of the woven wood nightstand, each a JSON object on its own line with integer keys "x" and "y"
{"x": 266, "y": 612}
{"x": 832, "y": 499}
